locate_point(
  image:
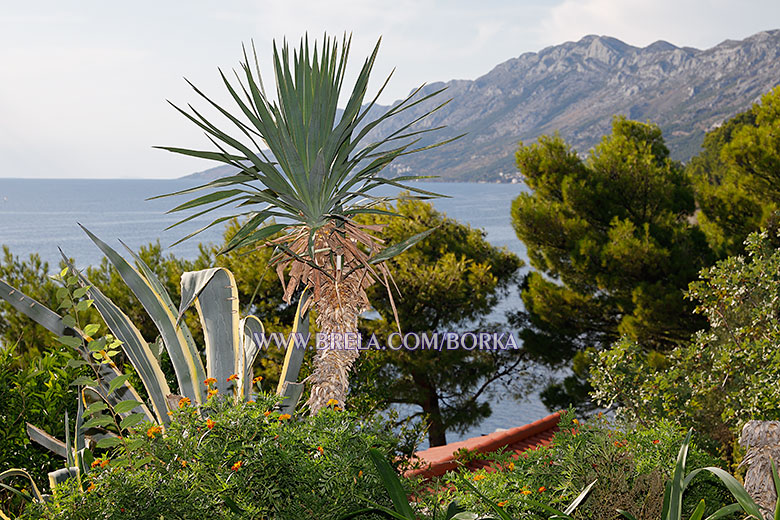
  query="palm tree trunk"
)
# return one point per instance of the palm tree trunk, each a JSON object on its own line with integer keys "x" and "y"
{"x": 338, "y": 307}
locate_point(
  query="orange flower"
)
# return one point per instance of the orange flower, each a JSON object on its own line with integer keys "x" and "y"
{"x": 656, "y": 441}
{"x": 210, "y": 424}
{"x": 479, "y": 477}
{"x": 575, "y": 421}
{"x": 250, "y": 402}
{"x": 526, "y": 492}
{"x": 266, "y": 413}
{"x": 319, "y": 448}
{"x": 91, "y": 486}
{"x": 511, "y": 466}
{"x": 617, "y": 443}
{"x": 95, "y": 464}
{"x": 284, "y": 416}
{"x": 104, "y": 463}
{"x": 170, "y": 413}
{"x": 503, "y": 503}
{"x": 257, "y": 380}
{"x": 183, "y": 463}
{"x": 232, "y": 377}
{"x": 210, "y": 381}
{"x": 212, "y": 393}
{"x": 237, "y": 465}
{"x": 542, "y": 489}
{"x": 360, "y": 473}
{"x": 153, "y": 431}
{"x": 184, "y": 401}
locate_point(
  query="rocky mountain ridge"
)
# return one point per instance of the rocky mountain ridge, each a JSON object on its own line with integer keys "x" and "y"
{"x": 575, "y": 88}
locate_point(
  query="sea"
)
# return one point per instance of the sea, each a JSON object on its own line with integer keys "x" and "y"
{"x": 38, "y": 216}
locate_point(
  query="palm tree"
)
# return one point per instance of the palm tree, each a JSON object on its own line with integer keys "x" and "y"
{"x": 317, "y": 177}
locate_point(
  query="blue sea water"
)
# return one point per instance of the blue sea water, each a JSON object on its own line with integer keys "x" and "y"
{"x": 40, "y": 215}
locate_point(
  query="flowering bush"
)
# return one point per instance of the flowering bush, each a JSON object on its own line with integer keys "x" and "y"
{"x": 631, "y": 467}
{"x": 228, "y": 461}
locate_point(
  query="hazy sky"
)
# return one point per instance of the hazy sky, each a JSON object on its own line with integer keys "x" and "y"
{"x": 84, "y": 84}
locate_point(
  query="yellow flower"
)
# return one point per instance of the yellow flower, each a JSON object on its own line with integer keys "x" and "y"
{"x": 184, "y": 401}
{"x": 526, "y": 492}
{"x": 284, "y": 416}
{"x": 232, "y": 377}
{"x": 257, "y": 380}
{"x": 212, "y": 393}
{"x": 479, "y": 477}
{"x": 237, "y": 465}
{"x": 210, "y": 381}
{"x": 152, "y": 431}
{"x": 332, "y": 402}
{"x": 210, "y": 424}
{"x": 575, "y": 421}
{"x": 511, "y": 466}
{"x": 503, "y": 503}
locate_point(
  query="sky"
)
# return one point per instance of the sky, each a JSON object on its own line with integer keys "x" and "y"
{"x": 84, "y": 84}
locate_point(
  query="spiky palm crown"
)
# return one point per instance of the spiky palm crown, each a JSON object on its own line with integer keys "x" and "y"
{"x": 320, "y": 175}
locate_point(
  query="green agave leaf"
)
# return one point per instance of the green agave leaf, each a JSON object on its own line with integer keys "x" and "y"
{"x": 580, "y": 498}
{"x": 698, "y": 513}
{"x": 677, "y": 485}
{"x": 22, "y": 473}
{"x": 725, "y": 511}
{"x": 157, "y": 303}
{"x": 49, "y": 442}
{"x": 392, "y": 484}
{"x": 135, "y": 348}
{"x": 293, "y": 358}
{"x": 500, "y": 511}
{"x": 214, "y": 293}
{"x": 735, "y": 488}
{"x": 250, "y": 326}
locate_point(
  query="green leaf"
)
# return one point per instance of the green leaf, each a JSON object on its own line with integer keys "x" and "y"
{"x": 725, "y": 511}
{"x": 75, "y": 363}
{"x": 80, "y": 292}
{"x": 698, "y": 513}
{"x": 776, "y": 481}
{"x": 626, "y": 514}
{"x": 735, "y": 488}
{"x": 95, "y": 407}
{"x": 70, "y": 341}
{"x": 499, "y": 510}
{"x": 131, "y": 420}
{"x": 91, "y": 329}
{"x": 117, "y": 382}
{"x": 83, "y": 305}
{"x": 109, "y": 442}
{"x": 84, "y": 381}
{"x": 126, "y": 406}
{"x": 97, "y": 422}
{"x": 392, "y": 484}
{"x": 68, "y": 321}
{"x": 580, "y": 498}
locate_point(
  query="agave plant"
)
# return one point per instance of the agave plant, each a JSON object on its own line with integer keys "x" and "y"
{"x": 317, "y": 176}
{"x": 230, "y": 341}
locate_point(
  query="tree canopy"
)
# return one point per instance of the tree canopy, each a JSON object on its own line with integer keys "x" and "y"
{"x": 451, "y": 281}
{"x": 613, "y": 243}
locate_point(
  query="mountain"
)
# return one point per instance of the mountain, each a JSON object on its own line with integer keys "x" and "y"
{"x": 575, "y": 88}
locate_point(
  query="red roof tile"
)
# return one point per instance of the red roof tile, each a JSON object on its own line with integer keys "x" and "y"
{"x": 437, "y": 461}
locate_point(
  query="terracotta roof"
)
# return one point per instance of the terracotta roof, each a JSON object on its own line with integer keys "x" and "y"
{"x": 437, "y": 461}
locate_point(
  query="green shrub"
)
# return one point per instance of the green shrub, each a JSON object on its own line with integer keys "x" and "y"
{"x": 249, "y": 463}
{"x": 631, "y": 466}
{"x": 37, "y": 392}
